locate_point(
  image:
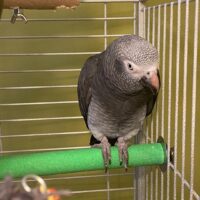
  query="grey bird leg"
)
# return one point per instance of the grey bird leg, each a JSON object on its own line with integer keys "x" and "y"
{"x": 123, "y": 152}
{"x": 105, "y": 151}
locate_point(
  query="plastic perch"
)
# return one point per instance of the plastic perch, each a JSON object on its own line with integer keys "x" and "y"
{"x": 57, "y": 162}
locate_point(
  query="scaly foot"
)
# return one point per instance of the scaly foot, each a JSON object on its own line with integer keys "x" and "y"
{"x": 123, "y": 152}
{"x": 105, "y": 151}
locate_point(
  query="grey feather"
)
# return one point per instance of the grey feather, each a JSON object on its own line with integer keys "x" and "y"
{"x": 84, "y": 84}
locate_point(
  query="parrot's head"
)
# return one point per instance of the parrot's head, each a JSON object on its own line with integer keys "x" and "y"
{"x": 132, "y": 65}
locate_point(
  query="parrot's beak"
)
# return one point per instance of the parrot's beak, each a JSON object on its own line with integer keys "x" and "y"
{"x": 155, "y": 81}
{"x": 152, "y": 82}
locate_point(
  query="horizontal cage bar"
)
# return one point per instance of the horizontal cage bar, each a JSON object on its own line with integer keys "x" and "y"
{"x": 79, "y": 19}
{"x": 43, "y": 134}
{"x": 40, "y": 119}
{"x": 38, "y": 103}
{"x": 37, "y": 87}
{"x": 50, "y": 54}
{"x": 60, "y": 37}
{"x": 167, "y": 4}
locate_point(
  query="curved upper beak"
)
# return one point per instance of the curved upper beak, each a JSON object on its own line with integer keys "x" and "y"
{"x": 152, "y": 81}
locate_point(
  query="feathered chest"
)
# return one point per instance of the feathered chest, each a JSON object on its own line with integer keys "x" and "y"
{"x": 112, "y": 114}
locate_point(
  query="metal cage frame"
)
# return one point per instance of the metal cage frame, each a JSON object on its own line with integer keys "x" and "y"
{"x": 145, "y": 21}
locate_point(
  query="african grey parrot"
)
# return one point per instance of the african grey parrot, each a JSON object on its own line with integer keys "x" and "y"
{"x": 117, "y": 89}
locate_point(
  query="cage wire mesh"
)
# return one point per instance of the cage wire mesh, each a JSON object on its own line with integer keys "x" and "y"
{"x": 40, "y": 64}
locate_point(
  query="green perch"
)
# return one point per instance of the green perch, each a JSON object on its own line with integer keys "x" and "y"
{"x": 67, "y": 161}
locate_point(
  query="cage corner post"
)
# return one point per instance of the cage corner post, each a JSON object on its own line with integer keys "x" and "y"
{"x": 140, "y": 138}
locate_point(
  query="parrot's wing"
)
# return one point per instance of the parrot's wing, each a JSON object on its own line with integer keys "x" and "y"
{"x": 85, "y": 83}
{"x": 152, "y": 102}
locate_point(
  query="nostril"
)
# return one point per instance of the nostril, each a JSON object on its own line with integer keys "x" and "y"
{"x": 148, "y": 73}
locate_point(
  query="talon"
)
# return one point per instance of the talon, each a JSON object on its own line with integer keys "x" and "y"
{"x": 105, "y": 152}
{"x": 123, "y": 152}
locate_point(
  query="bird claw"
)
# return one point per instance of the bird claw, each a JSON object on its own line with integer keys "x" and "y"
{"x": 106, "y": 152}
{"x": 123, "y": 152}
{"x": 105, "y": 146}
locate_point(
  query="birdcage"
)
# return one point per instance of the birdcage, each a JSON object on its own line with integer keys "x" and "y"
{"x": 40, "y": 62}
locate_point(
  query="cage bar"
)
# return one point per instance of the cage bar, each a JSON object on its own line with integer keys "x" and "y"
{"x": 185, "y": 72}
{"x": 11, "y": 135}
{"x": 50, "y": 54}
{"x": 80, "y": 19}
{"x": 79, "y": 177}
{"x": 102, "y": 190}
{"x": 39, "y": 103}
{"x": 194, "y": 92}
{"x": 61, "y": 36}
{"x": 40, "y": 70}
{"x": 148, "y": 24}
{"x": 186, "y": 183}
{"x": 152, "y": 120}
{"x": 37, "y": 87}
{"x": 157, "y": 116}
{"x": 41, "y": 119}
{"x": 140, "y": 138}
{"x": 134, "y": 16}
{"x": 168, "y": 4}
{"x": 170, "y": 97}
{"x": 163, "y": 89}
{"x": 177, "y": 93}
{"x": 144, "y": 22}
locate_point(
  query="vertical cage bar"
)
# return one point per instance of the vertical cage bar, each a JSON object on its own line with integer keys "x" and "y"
{"x": 151, "y": 184}
{"x": 135, "y": 31}
{"x": 158, "y": 35}
{"x": 152, "y": 121}
{"x": 134, "y": 184}
{"x": 147, "y": 174}
{"x": 148, "y": 24}
{"x": 135, "y": 16}
{"x": 184, "y": 97}
{"x": 108, "y": 184}
{"x": 177, "y": 95}
{"x": 169, "y": 97}
{"x": 147, "y": 131}
{"x": 140, "y": 171}
{"x": 157, "y": 116}
{"x": 153, "y": 29}
{"x": 194, "y": 92}
{"x": 145, "y": 36}
{"x": 105, "y": 46}
{"x": 163, "y": 90}
{"x": 140, "y": 19}
{"x": 105, "y": 25}
{"x": 153, "y": 42}
{"x": 163, "y": 70}
{"x": 147, "y": 188}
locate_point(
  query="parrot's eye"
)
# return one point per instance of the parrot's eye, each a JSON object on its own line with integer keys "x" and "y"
{"x": 130, "y": 66}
